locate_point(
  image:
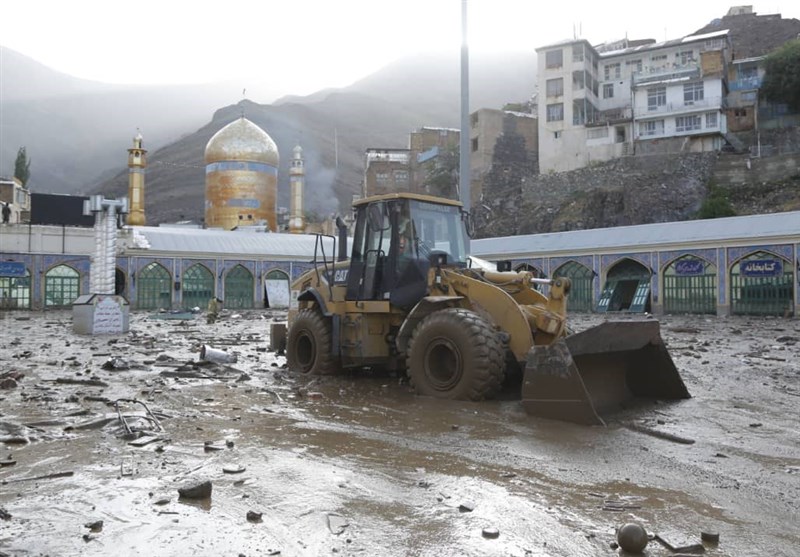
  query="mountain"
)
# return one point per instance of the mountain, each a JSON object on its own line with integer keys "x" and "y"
{"x": 335, "y": 125}
{"x": 76, "y": 130}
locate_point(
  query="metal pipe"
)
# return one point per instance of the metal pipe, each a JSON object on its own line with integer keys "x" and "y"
{"x": 217, "y": 356}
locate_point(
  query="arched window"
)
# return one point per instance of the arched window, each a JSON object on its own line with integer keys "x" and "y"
{"x": 276, "y": 289}
{"x": 62, "y": 285}
{"x": 762, "y": 283}
{"x": 197, "y": 286}
{"x": 690, "y": 286}
{"x": 239, "y": 286}
{"x": 581, "y": 278}
{"x": 15, "y": 292}
{"x": 154, "y": 287}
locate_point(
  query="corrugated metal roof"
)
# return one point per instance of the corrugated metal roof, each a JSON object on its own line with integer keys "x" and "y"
{"x": 749, "y": 228}
{"x": 193, "y": 240}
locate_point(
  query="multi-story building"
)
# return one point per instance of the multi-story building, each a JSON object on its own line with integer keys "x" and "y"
{"x": 387, "y": 171}
{"x": 18, "y": 198}
{"x": 392, "y": 170}
{"x": 486, "y": 126}
{"x": 598, "y": 103}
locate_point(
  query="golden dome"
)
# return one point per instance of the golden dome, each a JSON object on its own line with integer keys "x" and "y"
{"x": 242, "y": 140}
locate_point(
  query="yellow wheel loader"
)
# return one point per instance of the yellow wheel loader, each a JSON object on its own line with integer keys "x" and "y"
{"x": 411, "y": 299}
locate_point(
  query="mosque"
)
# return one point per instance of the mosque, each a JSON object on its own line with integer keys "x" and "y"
{"x": 739, "y": 265}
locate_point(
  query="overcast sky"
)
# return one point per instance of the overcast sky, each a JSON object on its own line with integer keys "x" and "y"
{"x": 313, "y": 44}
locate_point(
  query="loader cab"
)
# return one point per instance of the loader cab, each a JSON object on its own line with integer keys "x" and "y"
{"x": 396, "y": 239}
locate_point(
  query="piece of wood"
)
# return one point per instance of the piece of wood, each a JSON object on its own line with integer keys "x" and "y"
{"x": 44, "y": 477}
{"x": 660, "y": 434}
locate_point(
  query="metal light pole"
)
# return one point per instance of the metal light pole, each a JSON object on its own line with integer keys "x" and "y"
{"x": 463, "y": 162}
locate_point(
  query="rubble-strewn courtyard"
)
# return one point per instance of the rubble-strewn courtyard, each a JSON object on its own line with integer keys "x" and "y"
{"x": 358, "y": 465}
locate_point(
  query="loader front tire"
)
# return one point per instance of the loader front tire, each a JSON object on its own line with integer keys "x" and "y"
{"x": 308, "y": 346}
{"x": 454, "y": 353}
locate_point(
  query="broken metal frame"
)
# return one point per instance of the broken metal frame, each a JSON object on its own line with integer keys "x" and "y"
{"x": 149, "y": 416}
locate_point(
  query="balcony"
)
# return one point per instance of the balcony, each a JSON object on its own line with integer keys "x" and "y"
{"x": 745, "y": 84}
{"x": 666, "y": 74}
{"x": 611, "y": 116}
{"x": 713, "y": 103}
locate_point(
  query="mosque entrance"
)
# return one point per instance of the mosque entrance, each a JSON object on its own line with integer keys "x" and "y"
{"x": 197, "y": 287}
{"x": 762, "y": 284}
{"x": 582, "y": 278}
{"x": 239, "y": 287}
{"x": 690, "y": 286}
{"x": 153, "y": 288}
{"x": 62, "y": 285}
{"x": 120, "y": 284}
{"x": 627, "y": 288}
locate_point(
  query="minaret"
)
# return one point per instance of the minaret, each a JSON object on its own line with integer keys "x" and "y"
{"x": 137, "y": 162}
{"x": 297, "y": 176}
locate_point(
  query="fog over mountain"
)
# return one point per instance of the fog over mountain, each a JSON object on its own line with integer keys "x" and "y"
{"x": 77, "y": 132}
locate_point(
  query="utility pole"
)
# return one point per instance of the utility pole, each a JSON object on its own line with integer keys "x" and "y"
{"x": 463, "y": 166}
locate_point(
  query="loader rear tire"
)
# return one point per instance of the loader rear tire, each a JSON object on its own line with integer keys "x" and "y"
{"x": 308, "y": 346}
{"x": 454, "y": 353}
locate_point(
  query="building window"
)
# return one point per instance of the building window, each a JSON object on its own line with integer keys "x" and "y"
{"x": 685, "y": 57}
{"x": 658, "y": 58}
{"x": 556, "y": 135}
{"x": 749, "y": 96}
{"x": 554, "y": 59}
{"x": 597, "y": 133}
{"x": 656, "y": 97}
{"x": 711, "y": 120}
{"x": 401, "y": 176}
{"x": 634, "y": 66}
{"x": 612, "y": 71}
{"x": 608, "y": 90}
{"x": 692, "y": 92}
{"x": 555, "y": 112}
{"x": 474, "y": 144}
{"x": 577, "y": 53}
{"x": 688, "y": 123}
{"x": 578, "y": 80}
{"x": 382, "y": 177}
{"x": 555, "y": 87}
{"x": 656, "y": 127}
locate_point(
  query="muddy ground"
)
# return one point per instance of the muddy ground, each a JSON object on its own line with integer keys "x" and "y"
{"x": 358, "y": 465}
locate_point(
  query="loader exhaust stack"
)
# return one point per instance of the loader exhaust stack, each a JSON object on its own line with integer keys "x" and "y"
{"x": 587, "y": 375}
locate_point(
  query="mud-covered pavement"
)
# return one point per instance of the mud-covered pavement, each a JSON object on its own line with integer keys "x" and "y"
{"x": 358, "y": 465}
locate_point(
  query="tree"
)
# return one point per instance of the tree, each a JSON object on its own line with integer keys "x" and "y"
{"x": 22, "y": 166}
{"x": 441, "y": 177}
{"x": 716, "y": 204}
{"x": 782, "y": 79}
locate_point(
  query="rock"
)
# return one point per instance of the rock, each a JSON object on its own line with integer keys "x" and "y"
{"x": 95, "y": 526}
{"x": 8, "y": 383}
{"x": 254, "y": 516}
{"x": 709, "y": 536}
{"x": 466, "y": 507}
{"x": 337, "y": 523}
{"x": 201, "y": 490}
{"x": 490, "y": 533}
{"x": 632, "y": 537}
{"x": 4, "y": 514}
{"x": 229, "y": 443}
{"x": 233, "y": 469}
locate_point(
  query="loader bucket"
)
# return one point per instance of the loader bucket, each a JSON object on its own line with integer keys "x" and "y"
{"x": 590, "y": 374}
